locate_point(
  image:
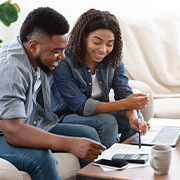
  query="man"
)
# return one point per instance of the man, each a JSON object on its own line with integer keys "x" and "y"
{"x": 29, "y": 131}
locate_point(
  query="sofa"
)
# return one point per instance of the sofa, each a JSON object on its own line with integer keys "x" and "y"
{"x": 151, "y": 53}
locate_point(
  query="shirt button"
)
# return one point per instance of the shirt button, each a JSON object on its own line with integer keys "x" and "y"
{"x": 90, "y": 84}
{"x": 97, "y": 70}
{"x": 35, "y": 74}
{"x": 100, "y": 82}
{"x": 89, "y": 70}
{"x": 34, "y": 122}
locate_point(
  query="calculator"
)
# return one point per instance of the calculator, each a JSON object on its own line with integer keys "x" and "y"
{"x": 131, "y": 158}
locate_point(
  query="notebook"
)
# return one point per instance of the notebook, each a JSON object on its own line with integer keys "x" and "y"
{"x": 168, "y": 134}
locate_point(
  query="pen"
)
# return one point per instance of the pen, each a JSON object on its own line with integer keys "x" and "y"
{"x": 139, "y": 140}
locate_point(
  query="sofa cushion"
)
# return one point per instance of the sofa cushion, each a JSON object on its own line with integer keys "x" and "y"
{"x": 8, "y": 171}
{"x": 68, "y": 165}
{"x": 25, "y": 175}
{"x": 167, "y": 108}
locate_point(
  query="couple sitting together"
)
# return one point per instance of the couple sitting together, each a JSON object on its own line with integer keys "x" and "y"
{"x": 54, "y": 93}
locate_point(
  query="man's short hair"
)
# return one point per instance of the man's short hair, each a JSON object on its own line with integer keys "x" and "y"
{"x": 44, "y": 20}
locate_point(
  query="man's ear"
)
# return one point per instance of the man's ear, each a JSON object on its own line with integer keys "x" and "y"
{"x": 34, "y": 46}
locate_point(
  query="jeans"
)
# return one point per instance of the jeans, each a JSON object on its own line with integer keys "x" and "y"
{"x": 107, "y": 125}
{"x": 41, "y": 164}
{"x": 124, "y": 127}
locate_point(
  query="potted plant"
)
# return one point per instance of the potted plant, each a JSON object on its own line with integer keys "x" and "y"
{"x": 8, "y": 13}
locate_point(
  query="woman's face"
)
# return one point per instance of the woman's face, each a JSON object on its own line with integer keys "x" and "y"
{"x": 99, "y": 44}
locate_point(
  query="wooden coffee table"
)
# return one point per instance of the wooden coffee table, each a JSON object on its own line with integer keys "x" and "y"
{"x": 91, "y": 172}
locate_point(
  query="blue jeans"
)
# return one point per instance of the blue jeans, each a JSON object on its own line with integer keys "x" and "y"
{"x": 107, "y": 125}
{"x": 124, "y": 127}
{"x": 41, "y": 164}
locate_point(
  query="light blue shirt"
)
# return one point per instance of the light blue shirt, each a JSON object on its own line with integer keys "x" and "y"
{"x": 17, "y": 95}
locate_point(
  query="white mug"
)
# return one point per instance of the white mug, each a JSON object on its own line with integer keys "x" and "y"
{"x": 161, "y": 158}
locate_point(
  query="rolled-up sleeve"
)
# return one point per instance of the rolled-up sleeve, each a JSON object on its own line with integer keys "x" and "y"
{"x": 90, "y": 107}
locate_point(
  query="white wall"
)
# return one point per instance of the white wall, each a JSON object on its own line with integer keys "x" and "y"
{"x": 72, "y": 9}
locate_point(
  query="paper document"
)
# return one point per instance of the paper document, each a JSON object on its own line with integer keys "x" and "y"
{"x": 126, "y": 149}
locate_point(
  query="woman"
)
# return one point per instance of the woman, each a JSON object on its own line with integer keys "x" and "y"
{"x": 81, "y": 84}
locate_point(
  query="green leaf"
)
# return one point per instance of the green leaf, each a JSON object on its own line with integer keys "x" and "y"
{"x": 8, "y": 13}
{"x": 1, "y": 41}
{"x": 5, "y": 23}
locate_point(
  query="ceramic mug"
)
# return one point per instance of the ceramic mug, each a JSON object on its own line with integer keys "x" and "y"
{"x": 161, "y": 158}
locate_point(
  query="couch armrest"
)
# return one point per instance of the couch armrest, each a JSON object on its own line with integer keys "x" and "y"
{"x": 148, "y": 112}
{"x": 8, "y": 171}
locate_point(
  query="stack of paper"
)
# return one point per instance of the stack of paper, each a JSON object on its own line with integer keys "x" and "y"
{"x": 126, "y": 149}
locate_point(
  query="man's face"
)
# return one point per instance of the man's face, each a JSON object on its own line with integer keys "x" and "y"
{"x": 51, "y": 52}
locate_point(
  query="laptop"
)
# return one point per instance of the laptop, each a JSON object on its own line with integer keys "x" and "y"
{"x": 168, "y": 134}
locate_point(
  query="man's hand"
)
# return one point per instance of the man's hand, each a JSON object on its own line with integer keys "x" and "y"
{"x": 136, "y": 101}
{"x": 86, "y": 149}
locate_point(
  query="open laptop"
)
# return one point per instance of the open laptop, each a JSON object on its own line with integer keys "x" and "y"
{"x": 168, "y": 134}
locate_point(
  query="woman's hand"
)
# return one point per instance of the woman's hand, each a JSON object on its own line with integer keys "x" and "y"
{"x": 139, "y": 125}
{"x": 136, "y": 101}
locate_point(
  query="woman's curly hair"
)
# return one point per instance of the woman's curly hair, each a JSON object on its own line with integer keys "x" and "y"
{"x": 88, "y": 22}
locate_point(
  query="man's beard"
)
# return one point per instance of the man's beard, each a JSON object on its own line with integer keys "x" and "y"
{"x": 43, "y": 67}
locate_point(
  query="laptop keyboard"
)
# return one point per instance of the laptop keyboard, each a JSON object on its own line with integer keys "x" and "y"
{"x": 166, "y": 136}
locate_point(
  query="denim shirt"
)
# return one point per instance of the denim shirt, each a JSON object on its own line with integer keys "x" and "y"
{"x": 17, "y": 95}
{"x": 71, "y": 87}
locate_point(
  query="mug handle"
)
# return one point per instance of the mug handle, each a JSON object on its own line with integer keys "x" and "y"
{"x": 151, "y": 162}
